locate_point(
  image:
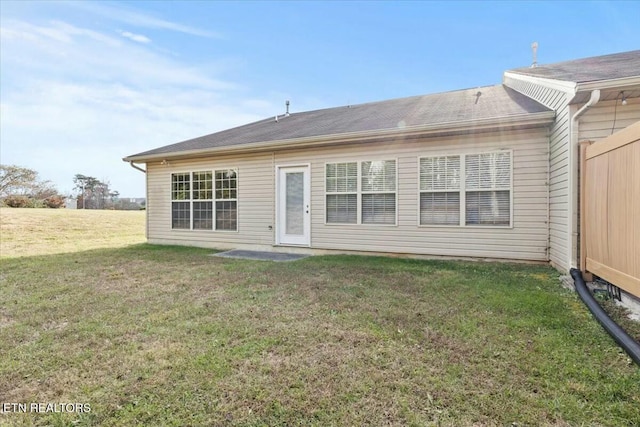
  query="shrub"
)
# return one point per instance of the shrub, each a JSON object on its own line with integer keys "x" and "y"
{"x": 54, "y": 202}
{"x": 17, "y": 201}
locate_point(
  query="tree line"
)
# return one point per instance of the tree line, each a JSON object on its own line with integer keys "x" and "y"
{"x": 21, "y": 187}
{"x": 94, "y": 194}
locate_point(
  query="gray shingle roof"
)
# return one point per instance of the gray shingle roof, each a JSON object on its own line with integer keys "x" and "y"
{"x": 606, "y": 67}
{"x": 494, "y": 102}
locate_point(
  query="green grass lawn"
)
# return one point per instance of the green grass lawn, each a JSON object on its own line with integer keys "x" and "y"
{"x": 151, "y": 335}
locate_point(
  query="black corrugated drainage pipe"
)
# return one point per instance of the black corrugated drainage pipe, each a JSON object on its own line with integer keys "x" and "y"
{"x": 623, "y": 339}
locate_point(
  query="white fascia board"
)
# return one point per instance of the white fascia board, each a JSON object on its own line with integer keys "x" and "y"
{"x": 530, "y": 119}
{"x": 572, "y": 87}
{"x": 561, "y": 85}
{"x": 609, "y": 84}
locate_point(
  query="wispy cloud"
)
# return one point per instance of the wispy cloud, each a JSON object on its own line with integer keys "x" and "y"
{"x": 76, "y": 99}
{"x": 132, "y": 17}
{"x": 85, "y": 53}
{"x": 135, "y": 37}
{"x": 51, "y": 35}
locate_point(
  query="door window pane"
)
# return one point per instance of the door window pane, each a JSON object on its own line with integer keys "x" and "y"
{"x": 295, "y": 203}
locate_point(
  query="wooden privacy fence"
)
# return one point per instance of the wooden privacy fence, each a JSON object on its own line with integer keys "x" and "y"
{"x": 610, "y": 209}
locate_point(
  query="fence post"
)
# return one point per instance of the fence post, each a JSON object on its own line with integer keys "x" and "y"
{"x": 582, "y": 241}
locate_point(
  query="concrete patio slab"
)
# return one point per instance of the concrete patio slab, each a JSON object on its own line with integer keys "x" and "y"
{"x": 260, "y": 255}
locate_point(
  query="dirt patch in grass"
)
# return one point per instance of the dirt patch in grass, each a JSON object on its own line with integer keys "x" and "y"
{"x": 171, "y": 336}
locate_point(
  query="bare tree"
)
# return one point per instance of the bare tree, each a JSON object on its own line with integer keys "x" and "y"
{"x": 16, "y": 180}
{"x": 20, "y": 187}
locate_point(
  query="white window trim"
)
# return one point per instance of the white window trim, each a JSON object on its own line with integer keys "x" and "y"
{"x": 359, "y": 192}
{"x": 193, "y": 201}
{"x": 463, "y": 190}
{"x": 189, "y": 200}
{"x": 462, "y": 200}
{"x": 213, "y": 201}
{"x": 339, "y": 193}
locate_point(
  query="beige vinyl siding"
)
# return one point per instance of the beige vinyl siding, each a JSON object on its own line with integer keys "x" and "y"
{"x": 597, "y": 122}
{"x": 559, "y": 168}
{"x": 526, "y": 239}
{"x": 559, "y": 191}
{"x": 255, "y": 202}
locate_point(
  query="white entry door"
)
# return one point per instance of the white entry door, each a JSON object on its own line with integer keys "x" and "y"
{"x": 293, "y": 206}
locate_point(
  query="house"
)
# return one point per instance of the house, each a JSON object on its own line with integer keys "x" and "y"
{"x": 587, "y": 96}
{"x": 70, "y": 202}
{"x": 489, "y": 172}
{"x": 129, "y": 203}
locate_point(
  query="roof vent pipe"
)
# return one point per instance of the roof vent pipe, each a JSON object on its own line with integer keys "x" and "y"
{"x": 534, "y": 49}
{"x": 286, "y": 103}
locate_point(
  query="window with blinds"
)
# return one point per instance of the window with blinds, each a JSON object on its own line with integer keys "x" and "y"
{"x": 488, "y": 189}
{"x": 341, "y": 188}
{"x": 473, "y": 189}
{"x": 197, "y": 198}
{"x": 378, "y": 192}
{"x": 368, "y": 188}
{"x": 440, "y": 190}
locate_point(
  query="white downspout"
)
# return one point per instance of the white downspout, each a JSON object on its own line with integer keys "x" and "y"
{"x": 595, "y": 97}
{"x": 133, "y": 165}
{"x": 573, "y": 178}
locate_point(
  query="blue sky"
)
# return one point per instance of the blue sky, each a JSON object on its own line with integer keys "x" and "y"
{"x": 83, "y": 84}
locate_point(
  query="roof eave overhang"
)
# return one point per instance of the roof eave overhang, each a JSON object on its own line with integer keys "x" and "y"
{"x": 609, "y": 84}
{"x": 561, "y": 85}
{"x": 574, "y": 88}
{"x": 528, "y": 120}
